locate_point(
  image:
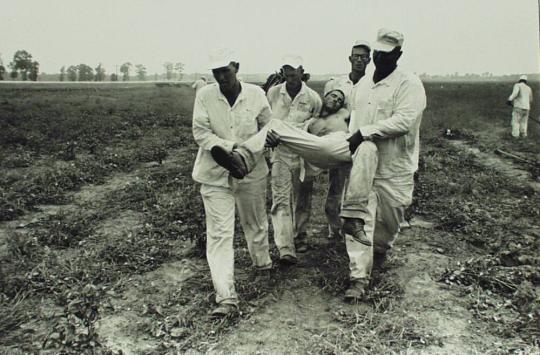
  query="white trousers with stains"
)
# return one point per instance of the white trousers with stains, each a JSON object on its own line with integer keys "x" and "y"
{"x": 520, "y": 118}
{"x": 291, "y": 204}
{"x": 219, "y": 206}
{"x": 381, "y": 203}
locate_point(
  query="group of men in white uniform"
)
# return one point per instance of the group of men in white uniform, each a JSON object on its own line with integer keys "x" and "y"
{"x": 365, "y": 131}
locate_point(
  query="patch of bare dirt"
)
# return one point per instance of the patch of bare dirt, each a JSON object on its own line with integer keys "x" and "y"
{"x": 505, "y": 166}
{"x": 133, "y": 319}
{"x": 427, "y": 318}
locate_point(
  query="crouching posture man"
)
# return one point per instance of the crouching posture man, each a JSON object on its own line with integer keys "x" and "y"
{"x": 226, "y": 114}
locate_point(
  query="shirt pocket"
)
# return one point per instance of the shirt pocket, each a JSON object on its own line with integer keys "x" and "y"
{"x": 245, "y": 123}
{"x": 383, "y": 110}
{"x": 302, "y": 112}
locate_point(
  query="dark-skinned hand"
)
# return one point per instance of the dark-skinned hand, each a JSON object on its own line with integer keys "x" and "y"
{"x": 272, "y": 139}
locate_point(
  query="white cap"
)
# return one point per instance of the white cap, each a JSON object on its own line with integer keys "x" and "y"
{"x": 220, "y": 58}
{"x": 387, "y": 40}
{"x": 363, "y": 43}
{"x": 292, "y": 60}
{"x": 523, "y": 77}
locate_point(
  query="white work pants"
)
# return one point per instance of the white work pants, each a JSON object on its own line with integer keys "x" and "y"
{"x": 520, "y": 118}
{"x": 381, "y": 203}
{"x": 219, "y": 207}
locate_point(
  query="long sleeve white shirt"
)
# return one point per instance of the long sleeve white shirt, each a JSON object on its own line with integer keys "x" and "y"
{"x": 215, "y": 122}
{"x": 306, "y": 104}
{"x": 390, "y": 112}
{"x": 521, "y": 96}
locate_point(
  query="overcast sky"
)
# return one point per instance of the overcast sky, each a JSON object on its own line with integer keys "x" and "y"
{"x": 441, "y": 36}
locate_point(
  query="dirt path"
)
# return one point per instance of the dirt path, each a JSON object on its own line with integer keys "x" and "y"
{"x": 427, "y": 316}
{"x": 495, "y": 162}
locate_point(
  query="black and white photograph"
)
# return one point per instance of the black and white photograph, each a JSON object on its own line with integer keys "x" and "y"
{"x": 269, "y": 177}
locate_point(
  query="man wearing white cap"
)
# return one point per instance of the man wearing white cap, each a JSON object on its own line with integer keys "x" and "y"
{"x": 359, "y": 59}
{"x": 521, "y": 100}
{"x": 227, "y": 113}
{"x": 294, "y": 102}
{"x": 384, "y": 141}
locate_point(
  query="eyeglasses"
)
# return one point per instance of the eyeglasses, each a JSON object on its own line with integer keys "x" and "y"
{"x": 363, "y": 57}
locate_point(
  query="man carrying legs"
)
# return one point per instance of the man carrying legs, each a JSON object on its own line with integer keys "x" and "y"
{"x": 387, "y": 110}
{"x": 227, "y": 113}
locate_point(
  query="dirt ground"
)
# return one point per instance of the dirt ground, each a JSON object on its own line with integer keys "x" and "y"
{"x": 112, "y": 269}
{"x": 300, "y": 310}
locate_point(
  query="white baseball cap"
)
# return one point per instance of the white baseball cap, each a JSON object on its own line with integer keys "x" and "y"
{"x": 362, "y": 43}
{"x": 523, "y": 77}
{"x": 221, "y": 57}
{"x": 292, "y": 60}
{"x": 387, "y": 40}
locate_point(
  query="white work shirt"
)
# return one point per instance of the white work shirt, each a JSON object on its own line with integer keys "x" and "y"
{"x": 306, "y": 104}
{"x": 215, "y": 122}
{"x": 198, "y": 85}
{"x": 521, "y": 96}
{"x": 390, "y": 112}
{"x": 343, "y": 83}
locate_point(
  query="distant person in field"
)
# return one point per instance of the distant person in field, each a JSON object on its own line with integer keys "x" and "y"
{"x": 385, "y": 119}
{"x": 227, "y": 113}
{"x": 521, "y": 101}
{"x": 359, "y": 58}
{"x": 199, "y": 84}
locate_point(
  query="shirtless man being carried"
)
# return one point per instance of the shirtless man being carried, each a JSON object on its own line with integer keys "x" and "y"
{"x": 324, "y": 144}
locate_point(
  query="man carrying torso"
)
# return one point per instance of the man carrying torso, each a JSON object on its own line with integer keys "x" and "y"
{"x": 293, "y": 102}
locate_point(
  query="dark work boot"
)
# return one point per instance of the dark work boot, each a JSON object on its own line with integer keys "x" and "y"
{"x": 357, "y": 291}
{"x": 355, "y": 228}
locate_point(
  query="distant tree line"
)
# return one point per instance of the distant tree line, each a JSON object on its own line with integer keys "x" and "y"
{"x": 83, "y": 72}
{"x": 23, "y": 66}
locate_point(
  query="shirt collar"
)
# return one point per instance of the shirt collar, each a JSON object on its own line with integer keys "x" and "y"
{"x": 240, "y": 97}
{"x": 386, "y": 81}
{"x": 283, "y": 90}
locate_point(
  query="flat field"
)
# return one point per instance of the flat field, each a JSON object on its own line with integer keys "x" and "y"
{"x": 102, "y": 236}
